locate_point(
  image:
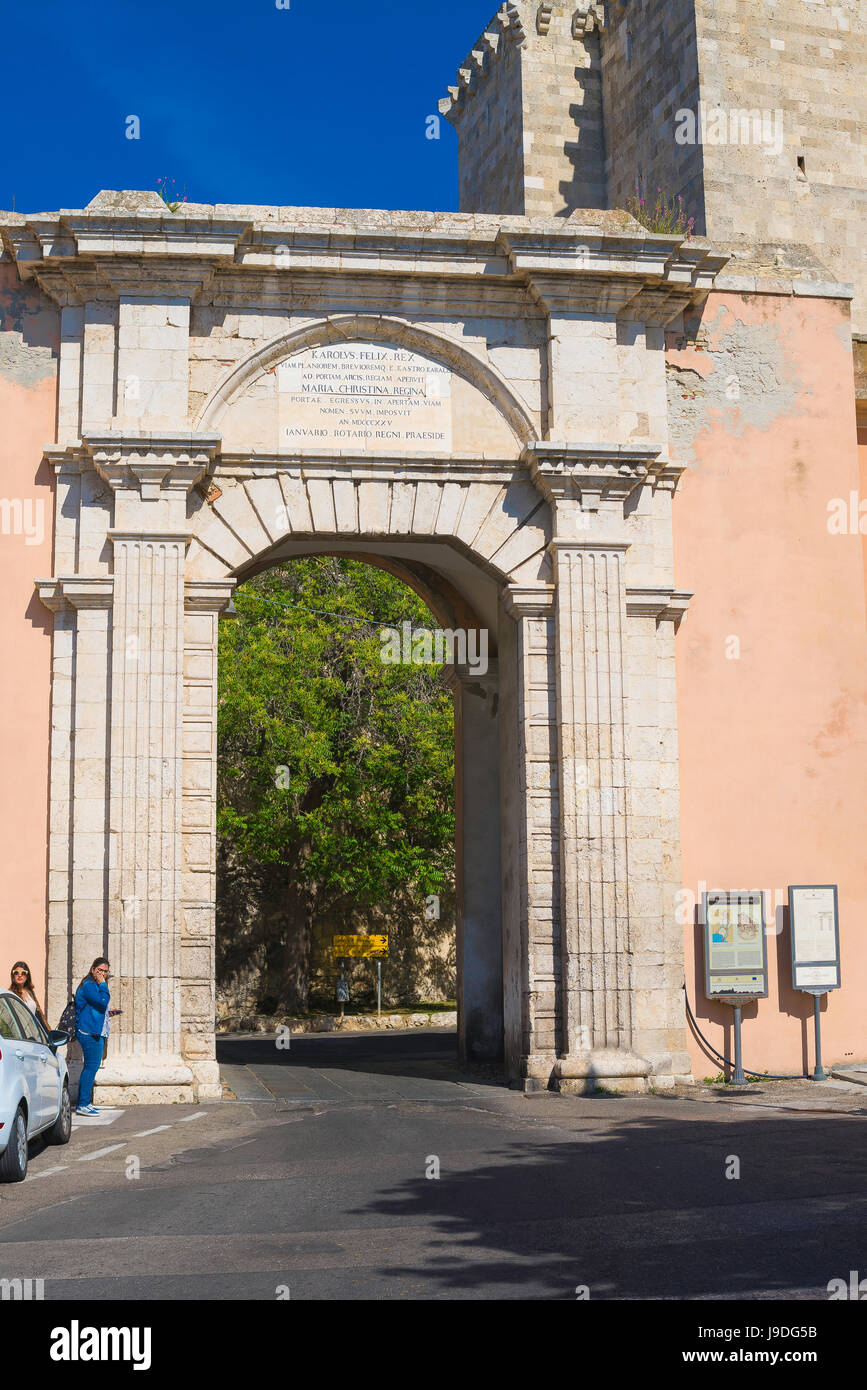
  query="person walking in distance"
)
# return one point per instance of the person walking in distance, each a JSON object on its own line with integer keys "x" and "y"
{"x": 92, "y": 1013}
{"x": 22, "y": 985}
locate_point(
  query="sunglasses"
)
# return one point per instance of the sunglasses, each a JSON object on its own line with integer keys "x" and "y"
{"x": 20, "y": 972}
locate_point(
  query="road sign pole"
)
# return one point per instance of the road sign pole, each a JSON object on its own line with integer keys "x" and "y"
{"x": 739, "y": 1078}
{"x": 379, "y": 987}
{"x": 819, "y": 1074}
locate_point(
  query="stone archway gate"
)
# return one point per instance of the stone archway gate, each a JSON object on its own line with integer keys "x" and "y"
{"x": 484, "y": 395}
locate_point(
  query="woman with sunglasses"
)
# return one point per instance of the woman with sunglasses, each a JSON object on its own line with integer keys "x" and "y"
{"x": 91, "y": 1029}
{"x": 22, "y": 985}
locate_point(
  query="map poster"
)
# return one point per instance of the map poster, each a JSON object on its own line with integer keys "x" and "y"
{"x": 736, "y": 952}
{"x": 815, "y": 935}
{"x": 365, "y": 397}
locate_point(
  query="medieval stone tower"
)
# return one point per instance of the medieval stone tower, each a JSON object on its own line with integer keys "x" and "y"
{"x": 753, "y": 111}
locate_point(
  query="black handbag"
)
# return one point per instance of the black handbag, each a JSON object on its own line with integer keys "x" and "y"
{"x": 67, "y": 1019}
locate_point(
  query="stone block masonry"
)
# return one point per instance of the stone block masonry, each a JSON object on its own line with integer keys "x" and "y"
{"x": 177, "y": 490}
{"x": 582, "y": 105}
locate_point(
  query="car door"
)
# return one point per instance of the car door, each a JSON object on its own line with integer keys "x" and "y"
{"x": 12, "y": 1075}
{"x": 53, "y": 1070}
{"x": 34, "y": 1055}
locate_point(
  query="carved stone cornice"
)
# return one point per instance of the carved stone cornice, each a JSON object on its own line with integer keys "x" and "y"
{"x": 122, "y": 535}
{"x": 76, "y": 256}
{"x": 529, "y": 601}
{"x": 663, "y": 604}
{"x": 587, "y": 474}
{"x": 604, "y": 263}
{"x": 467, "y": 678}
{"x": 647, "y": 277}
{"x": 208, "y": 595}
{"x": 152, "y": 463}
{"x": 76, "y": 591}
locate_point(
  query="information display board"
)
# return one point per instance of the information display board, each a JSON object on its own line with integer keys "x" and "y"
{"x": 361, "y": 946}
{"x": 735, "y": 947}
{"x": 815, "y": 934}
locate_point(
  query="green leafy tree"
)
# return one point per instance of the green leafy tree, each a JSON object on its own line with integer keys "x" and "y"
{"x": 335, "y": 768}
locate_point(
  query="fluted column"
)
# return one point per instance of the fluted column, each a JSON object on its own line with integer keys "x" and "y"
{"x": 147, "y": 705}
{"x": 150, "y": 477}
{"x": 597, "y": 1004}
{"x": 586, "y": 490}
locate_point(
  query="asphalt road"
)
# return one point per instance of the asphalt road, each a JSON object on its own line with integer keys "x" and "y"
{"x": 319, "y": 1182}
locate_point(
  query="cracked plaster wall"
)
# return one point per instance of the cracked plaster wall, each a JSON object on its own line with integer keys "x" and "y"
{"x": 772, "y": 658}
{"x": 29, "y": 335}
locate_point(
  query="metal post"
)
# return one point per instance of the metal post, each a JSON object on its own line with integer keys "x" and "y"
{"x": 378, "y": 987}
{"x": 819, "y": 1074}
{"x": 739, "y": 1078}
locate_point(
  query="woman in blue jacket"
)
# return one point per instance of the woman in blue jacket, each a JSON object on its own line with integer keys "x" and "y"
{"x": 91, "y": 1016}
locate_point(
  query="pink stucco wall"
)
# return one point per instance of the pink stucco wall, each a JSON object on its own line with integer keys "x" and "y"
{"x": 862, "y": 456}
{"x": 29, "y": 332}
{"x": 773, "y": 740}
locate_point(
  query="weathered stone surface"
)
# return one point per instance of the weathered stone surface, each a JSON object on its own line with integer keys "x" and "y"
{"x": 454, "y": 362}
{"x": 715, "y": 101}
{"x": 332, "y": 1023}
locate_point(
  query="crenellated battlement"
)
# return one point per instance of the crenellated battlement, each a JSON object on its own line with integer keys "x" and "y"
{"x": 514, "y": 24}
{"x": 505, "y": 28}
{"x": 513, "y": 155}
{"x": 573, "y": 105}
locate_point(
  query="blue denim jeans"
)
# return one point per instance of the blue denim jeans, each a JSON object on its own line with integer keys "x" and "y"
{"x": 93, "y": 1049}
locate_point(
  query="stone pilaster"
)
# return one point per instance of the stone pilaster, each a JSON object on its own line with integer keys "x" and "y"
{"x": 529, "y": 818}
{"x": 586, "y": 489}
{"x": 150, "y": 477}
{"x": 78, "y": 854}
{"x": 206, "y": 599}
{"x": 147, "y": 707}
{"x": 479, "y": 942}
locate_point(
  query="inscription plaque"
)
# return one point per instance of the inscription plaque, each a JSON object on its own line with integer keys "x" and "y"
{"x": 365, "y": 397}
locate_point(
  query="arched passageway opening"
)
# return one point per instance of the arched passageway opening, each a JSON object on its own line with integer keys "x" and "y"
{"x": 340, "y": 788}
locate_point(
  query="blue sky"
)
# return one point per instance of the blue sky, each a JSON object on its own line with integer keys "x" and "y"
{"x": 321, "y": 104}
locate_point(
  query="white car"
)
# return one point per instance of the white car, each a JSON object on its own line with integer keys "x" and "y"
{"x": 34, "y": 1086}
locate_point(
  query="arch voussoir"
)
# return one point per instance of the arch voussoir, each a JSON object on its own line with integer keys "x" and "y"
{"x": 496, "y": 521}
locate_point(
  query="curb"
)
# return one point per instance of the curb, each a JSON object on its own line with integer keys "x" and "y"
{"x": 351, "y": 1023}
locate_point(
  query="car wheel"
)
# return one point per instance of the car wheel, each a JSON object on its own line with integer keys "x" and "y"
{"x": 61, "y": 1130}
{"x": 13, "y": 1160}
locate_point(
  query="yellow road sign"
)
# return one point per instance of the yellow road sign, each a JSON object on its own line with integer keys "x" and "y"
{"x": 360, "y": 945}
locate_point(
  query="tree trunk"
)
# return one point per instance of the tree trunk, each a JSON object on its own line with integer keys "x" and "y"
{"x": 293, "y": 987}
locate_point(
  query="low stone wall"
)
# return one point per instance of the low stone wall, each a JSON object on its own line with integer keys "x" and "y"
{"x": 350, "y": 1023}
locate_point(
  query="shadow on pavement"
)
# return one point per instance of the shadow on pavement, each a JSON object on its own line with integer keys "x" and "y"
{"x": 430, "y": 1053}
